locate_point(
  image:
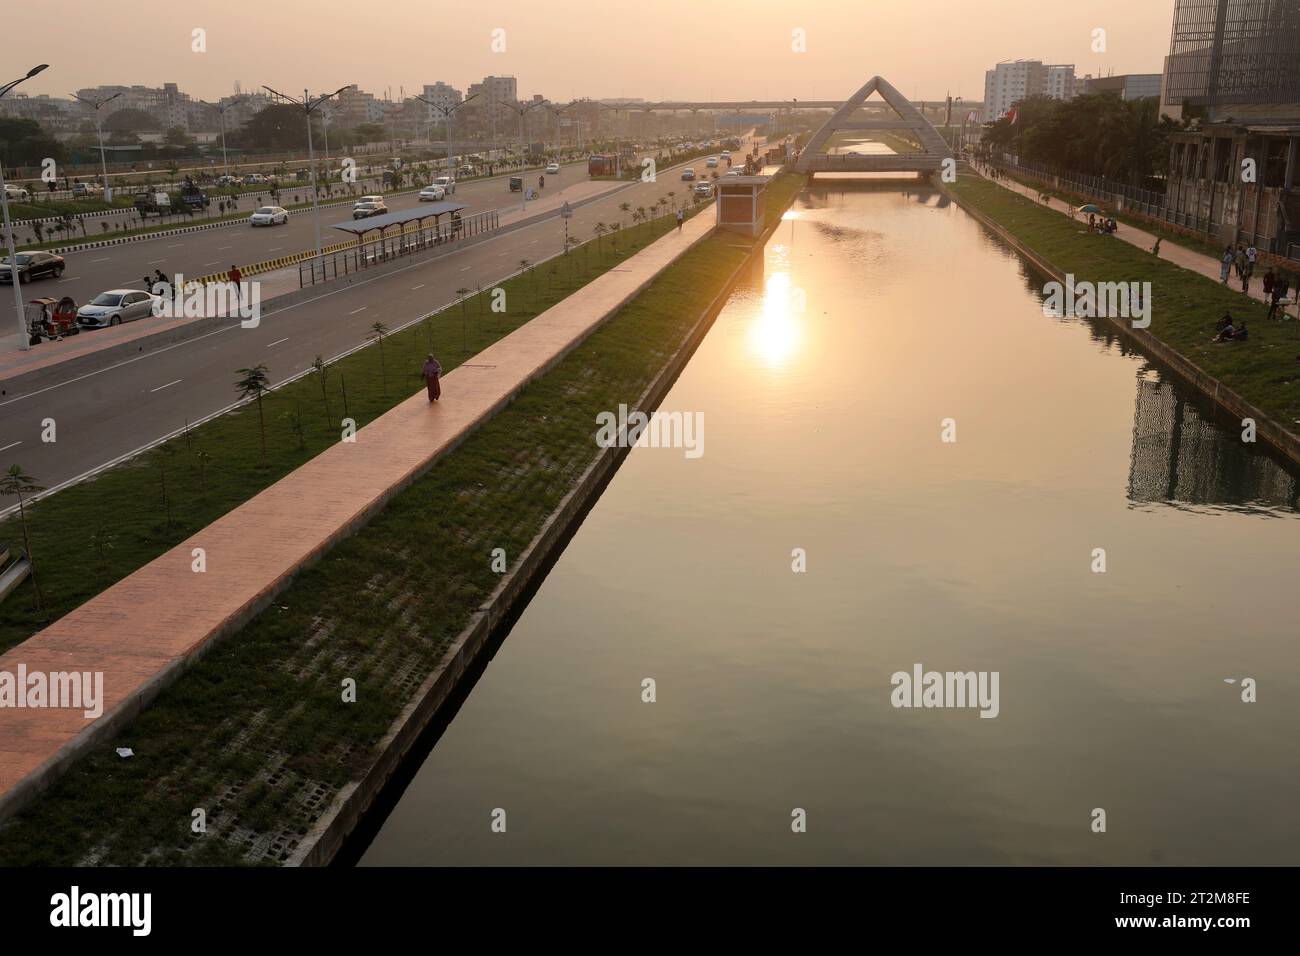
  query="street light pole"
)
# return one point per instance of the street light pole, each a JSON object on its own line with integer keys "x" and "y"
{"x": 23, "y": 342}
{"x": 99, "y": 131}
{"x": 521, "y": 110}
{"x": 308, "y": 105}
{"x": 447, "y": 113}
{"x": 225, "y": 166}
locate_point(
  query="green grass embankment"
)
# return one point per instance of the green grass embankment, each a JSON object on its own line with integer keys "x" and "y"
{"x": 91, "y": 535}
{"x": 256, "y": 733}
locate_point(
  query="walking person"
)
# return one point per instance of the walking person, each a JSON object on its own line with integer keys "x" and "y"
{"x": 1240, "y": 261}
{"x": 234, "y": 275}
{"x": 1225, "y": 265}
{"x": 432, "y": 371}
{"x": 1252, "y": 258}
{"x": 681, "y": 217}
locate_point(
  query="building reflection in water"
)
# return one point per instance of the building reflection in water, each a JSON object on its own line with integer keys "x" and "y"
{"x": 1180, "y": 456}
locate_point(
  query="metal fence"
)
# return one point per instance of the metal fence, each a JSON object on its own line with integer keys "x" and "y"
{"x": 1124, "y": 197}
{"x": 386, "y": 248}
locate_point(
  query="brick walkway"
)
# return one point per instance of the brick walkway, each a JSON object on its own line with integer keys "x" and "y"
{"x": 142, "y": 631}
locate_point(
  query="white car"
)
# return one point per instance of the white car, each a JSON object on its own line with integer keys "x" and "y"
{"x": 432, "y": 193}
{"x": 364, "y": 210}
{"x": 115, "y": 307}
{"x": 711, "y": 162}
{"x": 553, "y": 169}
{"x": 688, "y": 175}
{"x": 17, "y": 193}
{"x": 703, "y": 189}
{"x": 726, "y": 152}
{"x": 447, "y": 183}
{"x": 269, "y": 216}
{"x": 733, "y": 172}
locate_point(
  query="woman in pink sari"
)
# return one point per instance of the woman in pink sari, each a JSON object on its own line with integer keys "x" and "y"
{"x": 431, "y": 371}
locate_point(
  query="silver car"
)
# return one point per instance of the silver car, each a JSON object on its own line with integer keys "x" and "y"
{"x": 115, "y": 307}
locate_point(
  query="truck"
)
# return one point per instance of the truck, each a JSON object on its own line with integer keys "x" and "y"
{"x": 192, "y": 196}
{"x": 153, "y": 204}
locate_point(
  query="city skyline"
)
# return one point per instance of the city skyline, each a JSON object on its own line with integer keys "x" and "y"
{"x": 757, "y": 61}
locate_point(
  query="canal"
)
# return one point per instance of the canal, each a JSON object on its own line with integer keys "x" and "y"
{"x": 824, "y": 386}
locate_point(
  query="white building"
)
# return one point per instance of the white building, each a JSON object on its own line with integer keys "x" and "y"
{"x": 1012, "y": 81}
{"x": 444, "y": 95}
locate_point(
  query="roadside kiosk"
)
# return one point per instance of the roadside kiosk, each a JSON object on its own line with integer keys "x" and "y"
{"x": 741, "y": 203}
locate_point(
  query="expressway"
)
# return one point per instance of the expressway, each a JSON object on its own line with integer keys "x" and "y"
{"x": 109, "y": 414}
{"x": 194, "y": 254}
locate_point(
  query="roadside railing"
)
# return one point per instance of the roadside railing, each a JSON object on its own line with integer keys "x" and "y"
{"x": 386, "y": 248}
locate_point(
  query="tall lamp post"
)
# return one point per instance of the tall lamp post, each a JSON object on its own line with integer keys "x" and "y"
{"x": 447, "y": 113}
{"x": 958, "y": 101}
{"x": 23, "y": 343}
{"x": 308, "y": 105}
{"x": 99, "y": 131}
{"x": 225, "y": 166}
{"x": 520, "y": 109}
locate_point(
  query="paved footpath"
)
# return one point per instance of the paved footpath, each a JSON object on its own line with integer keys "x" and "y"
{"x": 1179, "y": 255}
{"x": 142, "y": 632}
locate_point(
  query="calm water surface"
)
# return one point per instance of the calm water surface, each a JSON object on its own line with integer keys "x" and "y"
{"x": 878, "y": 314}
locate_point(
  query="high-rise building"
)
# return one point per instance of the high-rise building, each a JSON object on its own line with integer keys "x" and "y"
{"x": 1013, "y": 81}
{"x": 498, "y": 96}
{"x": 443, "y": 94}
{"x": 1233, "y": 71}
{"x": 1127, "y": 86}
{"x": 1227, "y": 53}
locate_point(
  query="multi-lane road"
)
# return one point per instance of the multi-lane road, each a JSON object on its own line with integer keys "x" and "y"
{"x": 109, "y": 413}
{"x": 194, "y": 254}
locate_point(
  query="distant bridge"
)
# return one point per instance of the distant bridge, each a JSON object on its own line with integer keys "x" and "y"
{"x": 815, "y": 159}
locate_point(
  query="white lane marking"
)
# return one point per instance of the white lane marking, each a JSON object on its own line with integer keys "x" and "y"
{"x": 466, "y": 269}
{"x": 168, "y": 385}
{"x": 420, "y": 286}
{"x": 176, "y": 245}
{"x": 70, "y": 279}
{"x": 275, "y": 249}
{"x": 355, "y": 311}
{"x": 534, "y": 242}
{"x": 278, "y": 341}
{"x": 14, "y": 445}
{"x": 212, "y": 263}
{"x": 224, "y": 248}
{"x": 154, "y": 262}
{"x": 101, "y": 260}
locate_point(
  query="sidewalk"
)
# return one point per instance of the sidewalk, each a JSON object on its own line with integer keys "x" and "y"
{"x": 142, "y": 632}
{"x": 15, "y": 362}
{"x": 1170, "y": 251}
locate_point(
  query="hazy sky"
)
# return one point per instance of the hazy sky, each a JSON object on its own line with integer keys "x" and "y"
{"x": 667, "y": 49}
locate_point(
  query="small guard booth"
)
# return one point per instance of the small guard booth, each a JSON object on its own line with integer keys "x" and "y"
{"x": 741, "y": 203}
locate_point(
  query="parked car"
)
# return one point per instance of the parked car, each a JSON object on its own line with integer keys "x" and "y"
{"x": 688, "y": 175}
{"x": 364, "y": 210}
{"x": 87, "y": 189}
{"x": 254, "y": 179}
{"x": 447, "y": 183}
{"x": 467, "y": 170}
{"x": 115, "y": 307}
{"x": 711, "y": 162}
{"x": 269, "y": 216}
{"x": 552, "y": 169}
{"x": 32, "y": 265}
{"x": 703, "y": 189}
{"x": 432, "y": 193}
{"x": 731, "y": 172}
{"x": 227, "y": 181}
{"x": 16, "y": 193}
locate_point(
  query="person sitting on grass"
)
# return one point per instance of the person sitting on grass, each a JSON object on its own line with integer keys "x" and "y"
{"x": 1227, "y": 333}
{"x": 1225, "y": 322}
{"x": 1241, "y": 334}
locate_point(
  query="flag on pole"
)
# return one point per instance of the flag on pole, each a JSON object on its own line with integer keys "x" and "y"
{"x": 1012, "y": 116}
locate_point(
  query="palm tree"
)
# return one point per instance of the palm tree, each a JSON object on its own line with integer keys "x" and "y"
{"x": 319, "y": 366}
{"x": 599, "y": 229}
{"x": 17, "y": 482}
{"x": 613, "y": 232}
{"x": 377, "y": 332}
{"x": 252, "y": 382}
{"x": 524, "y": 266}
{"x": 203, "y": 458}
{"x": 624, "y": 208}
